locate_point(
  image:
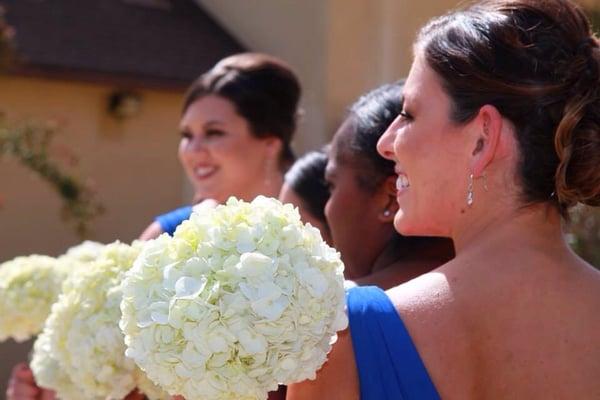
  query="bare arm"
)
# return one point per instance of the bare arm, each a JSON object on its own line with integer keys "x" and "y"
{"x": 153, "y": 231}
{"x": 336, "y": 380}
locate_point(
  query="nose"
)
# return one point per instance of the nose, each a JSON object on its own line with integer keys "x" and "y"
{"x": 385, "y": 144}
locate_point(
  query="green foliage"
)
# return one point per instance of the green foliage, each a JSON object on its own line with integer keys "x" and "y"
{"x": 29, "y": 144}
{"x": 585, "y": 233}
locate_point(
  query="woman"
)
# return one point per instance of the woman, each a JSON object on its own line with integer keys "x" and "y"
{"x": 237, "y": 124}
{"x": 236, "y": 128}
{"x": 498, "y": 137}
{"x": 362, "y": 201}
{"x": 304, "y": 186}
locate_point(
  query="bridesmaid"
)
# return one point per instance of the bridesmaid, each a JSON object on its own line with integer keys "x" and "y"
{"x": 498, "y": 137}
{"x": 236, "y": 128}
{"x": 361, "y": 208}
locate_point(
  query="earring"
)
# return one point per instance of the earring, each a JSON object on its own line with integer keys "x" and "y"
{"x": 470, "y": 191}
{"x": 267, "y": 166}
{"x": 387, "y": 213}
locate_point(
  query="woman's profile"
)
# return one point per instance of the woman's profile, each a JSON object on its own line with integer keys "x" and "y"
{"x": 498, "y": 137}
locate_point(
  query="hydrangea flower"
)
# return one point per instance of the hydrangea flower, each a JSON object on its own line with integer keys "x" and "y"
{"x": 86, "y": 251}
{"x": 28, "y": 287}
{"x": 242, "y": 297}
{"x": 48, "y": 372}
{"x": 83, "y": 333}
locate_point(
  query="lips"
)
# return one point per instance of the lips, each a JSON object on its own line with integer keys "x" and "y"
{"x": 204, "y": 171}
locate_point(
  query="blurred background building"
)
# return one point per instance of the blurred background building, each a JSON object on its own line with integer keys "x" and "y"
{"x": 112, "y": 74}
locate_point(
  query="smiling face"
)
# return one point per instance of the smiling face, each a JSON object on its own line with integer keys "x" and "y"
{"x": 431, "y": 153}
{"x": 220, "y": 155}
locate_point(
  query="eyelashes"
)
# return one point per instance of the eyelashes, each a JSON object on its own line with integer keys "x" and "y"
{"x": 185, "y": 134}
{"x": 211, "y": 133}
{"x": 405, "y": 115}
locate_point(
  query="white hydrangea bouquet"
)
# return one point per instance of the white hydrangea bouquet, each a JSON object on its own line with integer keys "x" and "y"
{"x": 81, "y": 352}
{"x": 242, "y": 297}
{"x": 48, "y": 372}
{"x": 84, "y": 252}
{"x": 28, "y": 287}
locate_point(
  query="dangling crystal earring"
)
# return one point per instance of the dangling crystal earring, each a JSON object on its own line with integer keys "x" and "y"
{"x": 470, "y": 191}
{"x": 267, "y": 167}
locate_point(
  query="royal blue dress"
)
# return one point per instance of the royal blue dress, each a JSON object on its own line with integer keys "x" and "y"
{"x": 389, "y": 366}
{"x": 171, "y": 220}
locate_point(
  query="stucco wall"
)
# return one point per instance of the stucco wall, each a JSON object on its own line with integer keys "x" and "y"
{"x": 132, "y": 162}
{"x": 339, "y": 48}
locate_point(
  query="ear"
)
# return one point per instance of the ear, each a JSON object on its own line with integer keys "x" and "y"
{"x": 489, "y": 123}
{"x": 273, "y": 146}
{"x": 386, "y": 200}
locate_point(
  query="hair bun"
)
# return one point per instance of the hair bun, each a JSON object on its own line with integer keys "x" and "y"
{"x": 577, "y": 139}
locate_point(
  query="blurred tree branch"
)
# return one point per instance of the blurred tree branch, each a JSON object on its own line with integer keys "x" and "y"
{"x": 29, "y": 144}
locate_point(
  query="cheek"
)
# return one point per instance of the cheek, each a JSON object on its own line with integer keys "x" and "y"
{"x": 182, "y": 152}
{"x": 239, "y": 156}
{"x": 334, "y": 212}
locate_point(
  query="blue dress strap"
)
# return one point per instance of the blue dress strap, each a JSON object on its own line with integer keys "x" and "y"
{"x": 389, "y": 366}
{"x": 171, "y": 220}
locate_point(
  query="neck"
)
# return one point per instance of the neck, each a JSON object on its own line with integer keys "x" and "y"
{"x": 269, "y": 187}
{"x": 399, "y": 264}
{"x": 536, "y": 225}
{"x": 262, "y": 186}
{"x": 420, "y": 255}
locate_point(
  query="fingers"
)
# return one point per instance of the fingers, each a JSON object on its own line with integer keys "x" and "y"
{"x": 47, "y": 395}
{"x": 22, "y": 372}
{"x": 21, "y": 385}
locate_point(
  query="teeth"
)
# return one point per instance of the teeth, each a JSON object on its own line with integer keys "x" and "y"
{"x": 203, "y": 171}
{"x": 402, "y": 182}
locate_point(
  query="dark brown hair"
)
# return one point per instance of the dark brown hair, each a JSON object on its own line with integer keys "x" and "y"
{"x": 307, "y": 178}
{"x": 370, "y": 116}
{"x": 264, "y": 90}
{"x": 538, "y": 63}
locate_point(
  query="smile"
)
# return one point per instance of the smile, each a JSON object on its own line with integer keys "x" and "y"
{"x": 204, "y": 172}
{"x": 402, "y": 182}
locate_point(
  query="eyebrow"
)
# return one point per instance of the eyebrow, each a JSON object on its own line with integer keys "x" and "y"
{"x": 213, "y": 122}
{"x": 209, "y": 124}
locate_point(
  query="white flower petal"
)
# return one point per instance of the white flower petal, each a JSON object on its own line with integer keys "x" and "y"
{"x": 189, "y": 288}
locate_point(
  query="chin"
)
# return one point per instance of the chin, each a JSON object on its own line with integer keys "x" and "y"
{"x": 409, "y": 227}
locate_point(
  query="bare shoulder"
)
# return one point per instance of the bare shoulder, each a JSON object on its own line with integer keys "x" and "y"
{"x": 434, "y": 315}
{"x": 153, "y": 231}
{"x": 336, "y": 380}
{"x": 426, "y": 293}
